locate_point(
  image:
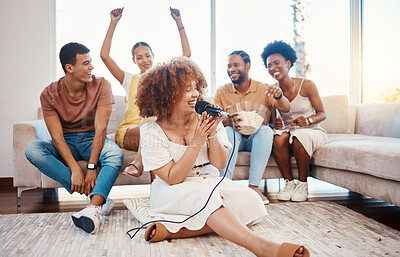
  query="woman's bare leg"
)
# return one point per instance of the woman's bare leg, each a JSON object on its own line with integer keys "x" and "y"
{"x": 282, "y": 155}
{"x": 132, "y": 135}
{"x": 227, "y": 225}
{"x": 132, "y": 138}
{"x": 302, "y": 159}
{"x": 132, "y": 142}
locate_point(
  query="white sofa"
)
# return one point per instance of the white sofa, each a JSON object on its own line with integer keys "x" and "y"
{"x": 362, "y": 155}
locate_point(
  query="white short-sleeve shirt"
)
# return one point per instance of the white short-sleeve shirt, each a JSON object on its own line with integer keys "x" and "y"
{"x": 157, "y": 150}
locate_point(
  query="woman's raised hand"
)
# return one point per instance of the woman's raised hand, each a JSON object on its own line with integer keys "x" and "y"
{"x": 176, "y": 14}
{"x": 204, "y": 128}
{"x": 274, "y": 91}
{"x": 116, "y": 14}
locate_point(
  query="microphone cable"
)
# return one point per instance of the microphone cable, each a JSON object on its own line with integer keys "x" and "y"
{"x": 201, "y": 209}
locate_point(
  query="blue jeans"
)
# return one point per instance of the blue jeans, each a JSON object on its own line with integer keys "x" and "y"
{"x": 46, "y": 158}
{"x": 260, "y": 146}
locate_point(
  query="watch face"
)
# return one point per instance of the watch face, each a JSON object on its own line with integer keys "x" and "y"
{"x": 90, "y": 166}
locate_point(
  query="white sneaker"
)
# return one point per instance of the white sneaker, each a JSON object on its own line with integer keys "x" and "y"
{"x": 301, "y": 192}
{"x": 88, "y": 219}
{"x": 106, "y": 207}
{"x": 286, "y": 193}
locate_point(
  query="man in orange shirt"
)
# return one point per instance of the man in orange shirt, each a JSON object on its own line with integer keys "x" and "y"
{"x": 243, "y": 88}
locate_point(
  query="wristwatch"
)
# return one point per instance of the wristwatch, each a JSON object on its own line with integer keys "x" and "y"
{"x": 310, "y": 120}
{"x": 91, "y": 166}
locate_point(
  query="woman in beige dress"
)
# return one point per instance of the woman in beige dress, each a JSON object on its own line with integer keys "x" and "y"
{"x": 297, "y": 130}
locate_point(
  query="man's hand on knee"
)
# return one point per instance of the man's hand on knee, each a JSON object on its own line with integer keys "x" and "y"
{"x": 77, "y": 181}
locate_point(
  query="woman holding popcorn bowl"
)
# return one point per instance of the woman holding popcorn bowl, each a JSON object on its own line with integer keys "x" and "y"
{"x": 247, "y": 99}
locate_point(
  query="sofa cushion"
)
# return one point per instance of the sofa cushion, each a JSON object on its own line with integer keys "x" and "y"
{"x": 376, "y": 156}
{"x": 337, "y": 114}
{"x": 243, "y": 159}
{"x": 378, "y": 119}
{"x": 117, "y": 115}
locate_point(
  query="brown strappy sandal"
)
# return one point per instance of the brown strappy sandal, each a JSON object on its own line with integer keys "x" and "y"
{"x": 288, "y": 250}
{"x": 161, "y": 233}
{"x": 132, "y": 170}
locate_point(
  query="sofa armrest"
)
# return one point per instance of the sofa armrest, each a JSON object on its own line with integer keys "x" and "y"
{"x": 25, "y": 174}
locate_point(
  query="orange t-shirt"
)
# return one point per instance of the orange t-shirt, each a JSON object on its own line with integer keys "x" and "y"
{"x": 228, "y": 95}
{"x": 76, "y": 115}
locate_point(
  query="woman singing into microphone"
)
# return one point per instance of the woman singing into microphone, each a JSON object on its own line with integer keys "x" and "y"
{"x": 185, "y": 151}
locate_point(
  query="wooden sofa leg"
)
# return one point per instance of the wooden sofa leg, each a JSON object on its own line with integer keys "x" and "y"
{"x": 19, "y": 193}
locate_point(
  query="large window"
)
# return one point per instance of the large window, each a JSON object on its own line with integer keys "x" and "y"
{"x": 248, "y": 26}
{"x": 327, "y": 38}
{"x": 381, "y": 40}
{"x": 326, "y": 33}
{"x": 87, "y": 21}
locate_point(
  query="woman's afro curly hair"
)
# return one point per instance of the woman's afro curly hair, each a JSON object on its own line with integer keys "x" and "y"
{"x": 161, "y": 87}
{"x": 279, "y": 47}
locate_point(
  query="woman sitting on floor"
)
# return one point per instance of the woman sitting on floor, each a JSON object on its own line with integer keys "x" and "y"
{"x": 185, "y": 151}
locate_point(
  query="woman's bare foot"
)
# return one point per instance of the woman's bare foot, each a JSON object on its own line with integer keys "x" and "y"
{"x": 299, "y": 252}
{"x": 134, "y": 169}
{"x": 289, "y": 250}
{"x": 156, "y": 232}
{"x": 268, "y": 249}
{"x": 153, "y": 233}
{"x": 263, "y": 197}
{"x": 149, "y": 235}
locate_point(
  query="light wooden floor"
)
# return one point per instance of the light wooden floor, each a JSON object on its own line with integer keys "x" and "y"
{"x": 59, "y": 200}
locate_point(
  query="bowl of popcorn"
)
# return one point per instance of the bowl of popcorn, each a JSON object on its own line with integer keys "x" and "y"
{"x": 250, "y": 115}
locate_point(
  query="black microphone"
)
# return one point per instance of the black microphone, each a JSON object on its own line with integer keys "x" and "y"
{"x": 202, "y": 106}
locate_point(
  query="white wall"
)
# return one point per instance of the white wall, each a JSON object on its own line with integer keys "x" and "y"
{"x": 26, "y": 66}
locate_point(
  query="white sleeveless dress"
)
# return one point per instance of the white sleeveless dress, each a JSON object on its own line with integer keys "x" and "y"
{"x": 310, "y": 137}
{"x": 177, "y": 202}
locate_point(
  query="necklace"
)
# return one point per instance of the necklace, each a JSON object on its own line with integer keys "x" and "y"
{"x": 183, "y": 134}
